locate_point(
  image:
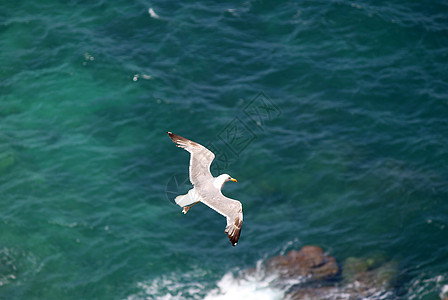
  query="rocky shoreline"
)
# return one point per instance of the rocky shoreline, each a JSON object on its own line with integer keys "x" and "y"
{"x": 312, "y": 274}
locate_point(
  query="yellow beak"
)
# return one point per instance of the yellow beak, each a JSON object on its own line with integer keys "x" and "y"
{"x": 233, "y": 179}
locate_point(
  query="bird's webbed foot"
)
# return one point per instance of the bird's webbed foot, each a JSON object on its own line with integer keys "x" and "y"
{"x": 187, "y": 208}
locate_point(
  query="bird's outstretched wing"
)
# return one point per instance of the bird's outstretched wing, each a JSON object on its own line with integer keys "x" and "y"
{"x": 200, "y": 159}
{"x": 229, "y": 208}
{"x": 234, "y": 224}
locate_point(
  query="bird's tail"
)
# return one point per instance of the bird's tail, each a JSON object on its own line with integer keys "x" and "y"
{"x": 187, "y": 199}
{"x": 183, "y": 200}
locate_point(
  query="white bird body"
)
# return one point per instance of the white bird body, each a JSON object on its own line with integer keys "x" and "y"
{"x": 207, "y": 189}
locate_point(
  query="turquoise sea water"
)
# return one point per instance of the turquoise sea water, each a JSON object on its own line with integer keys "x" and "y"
{"x": 332, "y": 115}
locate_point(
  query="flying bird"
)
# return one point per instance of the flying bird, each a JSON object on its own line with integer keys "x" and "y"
{"x": 207, "y": 189}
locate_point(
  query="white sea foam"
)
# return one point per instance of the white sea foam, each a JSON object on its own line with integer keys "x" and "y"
{"x": 167, "y": 288}
{"x": 425, "y": 286}
{"x": 258, "y": 284}
{"x": 243, "y": 285}
{"x": 444, "y": 291}
{"x": 245, "y": 288}
{"x": 240, "y": 285}
{"x": 153, "y": 14}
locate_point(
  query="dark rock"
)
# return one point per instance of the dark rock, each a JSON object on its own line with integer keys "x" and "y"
{"x": 319, "y": 293}
{"x": 310, "y": 261}
{"x": 305, "y": 274}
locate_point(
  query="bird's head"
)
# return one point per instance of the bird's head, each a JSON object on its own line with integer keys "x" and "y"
{"x": 228, "y": 178}
{"x": 223, "y": 178}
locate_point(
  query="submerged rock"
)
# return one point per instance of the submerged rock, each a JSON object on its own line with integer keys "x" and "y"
{"x": 7, "y": 160}
{"x": 353, "y": 266}
{"x": 367, "y": 275}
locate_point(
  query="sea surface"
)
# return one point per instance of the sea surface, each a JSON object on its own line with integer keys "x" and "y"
{"x": 332, "y": 116}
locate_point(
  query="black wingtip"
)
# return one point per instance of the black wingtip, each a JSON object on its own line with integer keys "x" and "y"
{"x": 234, "y": 239}
{"x": 171, "y": 135}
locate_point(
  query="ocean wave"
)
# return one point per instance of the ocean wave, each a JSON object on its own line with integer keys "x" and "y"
{"x": 233, "y": 285}
{"x": 257, "y": 283}
{"x": 425, "y": 287}
{"x": 173, "y": 286}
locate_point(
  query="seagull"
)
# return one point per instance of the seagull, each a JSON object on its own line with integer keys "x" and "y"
{"x": 207, "y": 189}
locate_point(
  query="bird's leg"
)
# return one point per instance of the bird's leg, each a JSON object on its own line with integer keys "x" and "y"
{"x": 187, "y": 208}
